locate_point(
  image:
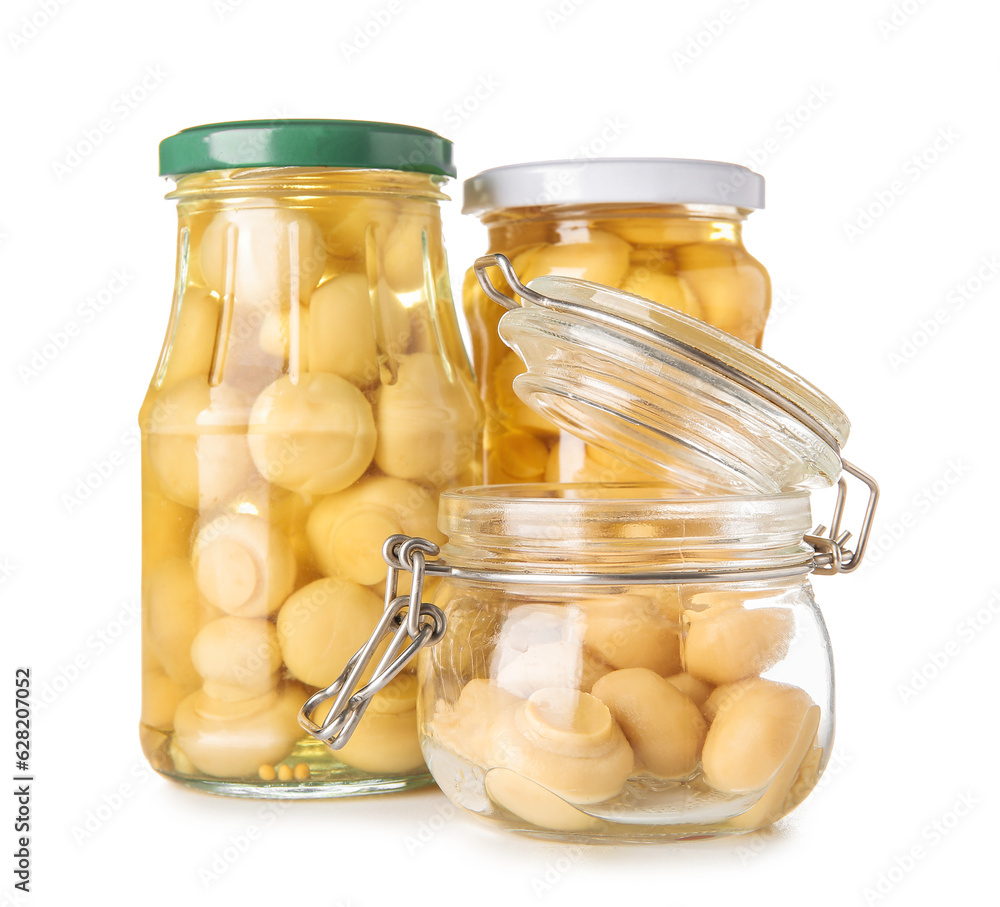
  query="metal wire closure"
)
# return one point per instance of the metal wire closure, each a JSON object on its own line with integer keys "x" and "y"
{"x": 832, "y": 555}
{"x": 507, "y": 269}
{"x": 410, "y": 628}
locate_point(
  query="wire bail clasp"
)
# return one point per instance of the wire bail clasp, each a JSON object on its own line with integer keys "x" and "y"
{"x": 510, "y": 275}
{"x": 409, "y": 629}
{"x": 832, "y": 554}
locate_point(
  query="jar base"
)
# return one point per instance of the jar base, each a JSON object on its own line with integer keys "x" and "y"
{"x": 646, "y": 812}
{"x": 318, "y": 789}
{"x": 328, "y": 778}
{"x": 651, "y": 834}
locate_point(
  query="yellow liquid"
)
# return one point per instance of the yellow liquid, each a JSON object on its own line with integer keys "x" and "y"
{"x": 696, "y": 265}
{"x": 303, "y": 334}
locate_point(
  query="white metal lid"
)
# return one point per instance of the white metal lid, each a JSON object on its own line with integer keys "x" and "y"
{"x": 665, "y": 181}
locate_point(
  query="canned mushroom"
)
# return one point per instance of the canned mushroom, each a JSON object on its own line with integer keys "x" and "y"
{"x": 311, "y": 398}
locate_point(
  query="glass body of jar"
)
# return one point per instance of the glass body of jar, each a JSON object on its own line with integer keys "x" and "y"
{"x": 312, "y": 397}
{"x": 573, "y": 698}
{"x": 687, "y": 256}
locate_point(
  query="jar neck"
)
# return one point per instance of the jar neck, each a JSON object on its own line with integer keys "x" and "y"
{"x": 567, "y": 530}
{"x": 302, "y": 183}
{"x": 254, "y": 245}
{"x": 569, "y": 223}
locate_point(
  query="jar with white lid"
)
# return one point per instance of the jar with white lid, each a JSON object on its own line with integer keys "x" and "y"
{"x": 628, "y": 662}
{"x": 669, "y": 230}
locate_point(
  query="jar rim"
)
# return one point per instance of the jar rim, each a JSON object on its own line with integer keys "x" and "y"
{"x": 646, "y": 494}
{"x": 569, "y": 529}
{"x": 288, "y": 182}
{"x": 616, "y": 210}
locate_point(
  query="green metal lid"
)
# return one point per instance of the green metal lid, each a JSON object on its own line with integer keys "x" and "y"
{"x": 305, "y": 143}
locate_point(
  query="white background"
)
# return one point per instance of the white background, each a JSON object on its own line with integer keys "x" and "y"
{"x": 878, "y": 109}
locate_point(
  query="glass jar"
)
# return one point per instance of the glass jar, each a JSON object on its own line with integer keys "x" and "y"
{"x": 599, "y": 701}
{"x": 627, "y": 661}
{"x": 664, "y": 229}
{"x": 312, "y": 396}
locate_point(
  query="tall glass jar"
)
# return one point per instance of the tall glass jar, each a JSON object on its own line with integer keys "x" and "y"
{"x": 667, "y": 230}
{"x": 312, "y": 396}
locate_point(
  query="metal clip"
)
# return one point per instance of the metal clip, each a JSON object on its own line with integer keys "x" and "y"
{"x": 510, "y": 275}
{"x": 832, "y": 555}
{"x": 410, "y": 628}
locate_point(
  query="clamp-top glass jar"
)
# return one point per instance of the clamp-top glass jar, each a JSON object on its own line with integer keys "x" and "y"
{"x": 312, "y": 396}
{"x": 665, "y": 229}
{"x": 628, "y": 662}
{"x": 667, "y": 673}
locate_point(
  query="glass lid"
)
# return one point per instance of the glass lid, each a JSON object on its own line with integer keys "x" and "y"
{"x": 686, "y": 402}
